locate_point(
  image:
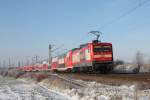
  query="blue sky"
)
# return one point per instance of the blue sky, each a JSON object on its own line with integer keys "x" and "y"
{"x": 28, "y": 26}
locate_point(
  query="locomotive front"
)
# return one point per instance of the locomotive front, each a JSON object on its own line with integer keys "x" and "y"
{"x": 102, "y": 57}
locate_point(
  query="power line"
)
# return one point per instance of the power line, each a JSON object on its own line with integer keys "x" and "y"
{"x": 126, "y": 13}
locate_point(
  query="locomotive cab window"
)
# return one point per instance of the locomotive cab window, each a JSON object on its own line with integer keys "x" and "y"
{"x": 102, "y": 49}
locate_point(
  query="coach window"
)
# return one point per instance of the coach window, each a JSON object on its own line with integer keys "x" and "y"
{"x": 82, "y": 55}
{"x": 88, "y": 50}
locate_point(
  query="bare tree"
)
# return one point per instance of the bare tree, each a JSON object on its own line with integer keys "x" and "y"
{"x": 148, "y": 63}
{"x": 0, "y": 64}
{"x": 139, "y": 59}
{"x": 118, "y": 62}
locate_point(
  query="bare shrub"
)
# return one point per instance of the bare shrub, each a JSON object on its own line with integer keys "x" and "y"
{"x": 141, "y": 65}
{"x": 139, "y": 59}
{"x": 118, "y": 62}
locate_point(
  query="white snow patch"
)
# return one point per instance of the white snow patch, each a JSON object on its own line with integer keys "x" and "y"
{"x": 11, "y": 89}
{"x": 97, "y": 91}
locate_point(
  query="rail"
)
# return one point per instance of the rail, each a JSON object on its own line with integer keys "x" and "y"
{"x": 71, "y": 82}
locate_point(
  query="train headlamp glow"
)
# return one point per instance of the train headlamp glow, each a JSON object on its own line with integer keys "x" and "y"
{"x": 102, "y": 56}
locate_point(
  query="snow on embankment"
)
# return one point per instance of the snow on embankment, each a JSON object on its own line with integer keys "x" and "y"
{"x": 11, "y": 72}
{"x": 97, "y": 91}
{"x": 12, "y": 89}
{"x": 53, "y": 87}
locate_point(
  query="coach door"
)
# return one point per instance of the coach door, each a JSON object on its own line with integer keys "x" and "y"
{"x": 68, "y": 61}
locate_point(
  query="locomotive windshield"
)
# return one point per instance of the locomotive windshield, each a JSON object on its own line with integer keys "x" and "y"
{"x": 102, "y": 49}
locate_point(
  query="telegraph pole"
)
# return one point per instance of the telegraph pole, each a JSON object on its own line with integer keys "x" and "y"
{"x": 19, "y": 64}
{"x": 50, "y": 55}
{"x": 9, "y": 65}
{"x": 4, "y": 63}
{"x": 0, "y": 64}
{"x": 36, "y": 59}
{"x": 32, "y": 60}
{"x": 27, "y": 60}
{"x": 22, "y": 64}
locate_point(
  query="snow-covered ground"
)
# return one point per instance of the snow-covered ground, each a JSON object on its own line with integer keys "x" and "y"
{"x": 12, "y": 89}
{"x": 97, "y": 91}
{"x": 21, "y": 89}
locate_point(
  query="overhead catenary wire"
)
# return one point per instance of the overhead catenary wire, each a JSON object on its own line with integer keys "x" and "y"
{"x": 141, "y": 3}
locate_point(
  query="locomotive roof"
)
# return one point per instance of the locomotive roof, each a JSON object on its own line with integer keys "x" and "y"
{"x": 75, "y": 49}
{"x": 83, "y": 45}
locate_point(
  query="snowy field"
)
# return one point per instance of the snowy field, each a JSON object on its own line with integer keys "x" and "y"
{"x": 25, "y": 89}
{"x": 97, "y": 91}
{"x": 11, "y": 89}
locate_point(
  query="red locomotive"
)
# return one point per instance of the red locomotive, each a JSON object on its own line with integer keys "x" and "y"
{"x": 95, "y": 56}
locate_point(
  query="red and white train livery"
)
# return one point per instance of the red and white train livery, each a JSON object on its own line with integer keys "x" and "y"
{"x": 95, "y": 56}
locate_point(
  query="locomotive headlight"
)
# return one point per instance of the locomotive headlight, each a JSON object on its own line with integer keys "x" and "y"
{"x": 102, "y": 56}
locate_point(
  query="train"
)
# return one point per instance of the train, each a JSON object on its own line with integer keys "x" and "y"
{"x": 95, "y": 56}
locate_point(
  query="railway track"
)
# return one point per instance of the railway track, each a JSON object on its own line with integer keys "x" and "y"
{"x": 70, "y": 82}
{"x": 71, "y": 79}
{"x": 123, "y": 76}
{"x": 112, "y": 79}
